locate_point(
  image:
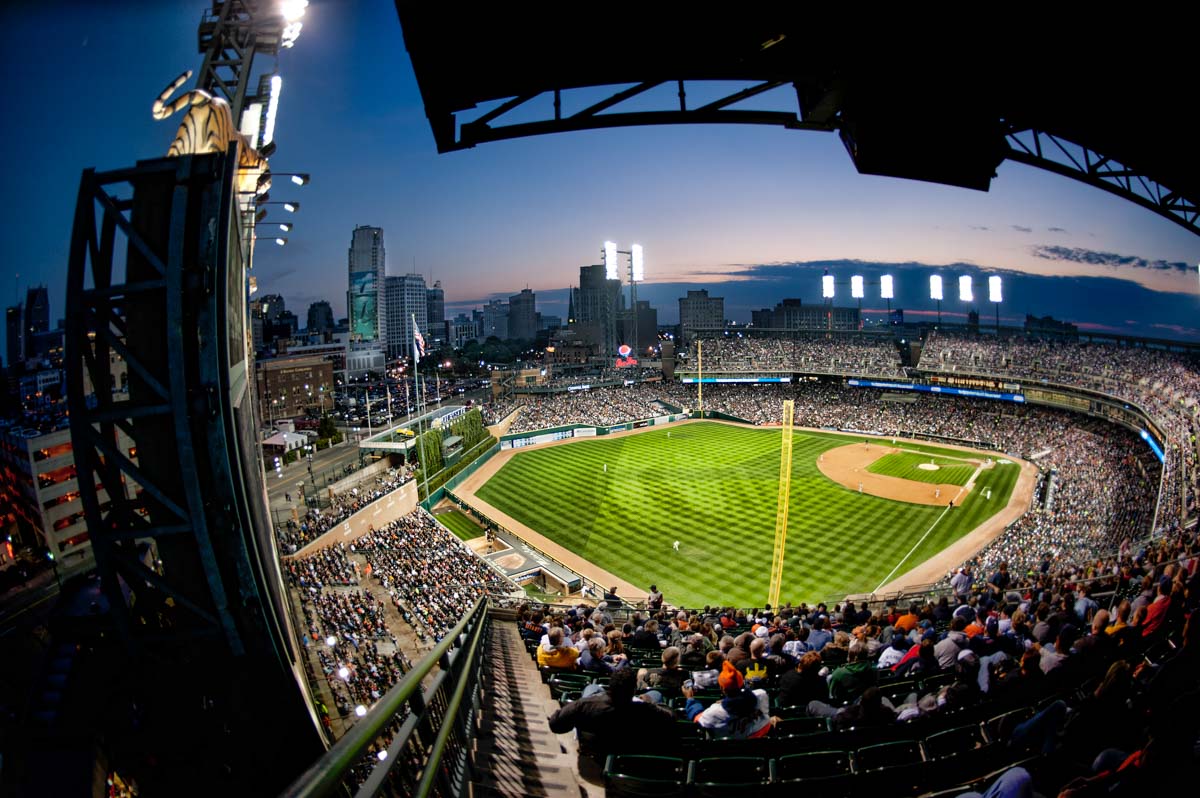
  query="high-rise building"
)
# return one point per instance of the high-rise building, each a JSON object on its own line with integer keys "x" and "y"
{"x": 320, "y": 317}
{"x": 646, "y": 319}
{"x": 495, "y": 320}
{"x": 14, "y": 336}
{"x": 435, "y": 312}
{"x": 793, "y": 314}
{"x": 271, "y": 306}
{"x": 37, "y": 340}
{"x": 462, "y": 330}
{"x": 405, "y": 301}
{"x": 522, "y": 316}
{"x": 700, "y": 314}
{"x": 595, "y": 305}
{"x": 364, "y": 300}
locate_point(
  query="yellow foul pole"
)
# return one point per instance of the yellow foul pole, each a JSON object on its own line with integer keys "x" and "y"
{"x": 781, "y": 507}
{"x": 700, "y": 376}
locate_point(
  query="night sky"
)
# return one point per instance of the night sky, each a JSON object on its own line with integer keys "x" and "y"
{"x": 752, "y": 213}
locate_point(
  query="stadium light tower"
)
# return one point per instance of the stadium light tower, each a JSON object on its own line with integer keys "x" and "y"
{"x": 995, "y": 297}
{"x": 966, "y": 292}
{"x": 637, "y": 274}
{"x": 935, "y": 292}
{"x": 887, "y": 291}
{"x": 856, "y": 291}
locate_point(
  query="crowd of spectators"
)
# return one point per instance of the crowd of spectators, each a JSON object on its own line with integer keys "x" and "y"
{"x": 598, "y": 406}
{"x": 1165, "y": 385}
{"x": 294, "y": 535}
{"x": 1087, "y": 685}
{"x": 869, "y": 356}
{"x": 429, "y": 575}
{"x": 345, "y": 623}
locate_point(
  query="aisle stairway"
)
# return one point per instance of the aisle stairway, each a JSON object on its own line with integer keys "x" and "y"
{"x": 516, "y": 754}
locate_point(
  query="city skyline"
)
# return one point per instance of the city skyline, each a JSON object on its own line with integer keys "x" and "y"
{"x": 748, "y": 211}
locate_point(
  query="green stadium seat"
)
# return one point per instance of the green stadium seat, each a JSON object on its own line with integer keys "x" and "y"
{"x": 897, "y": 767}
{"x": 959, "y": 755}
{"x": 788, "y": 727}
{"x": 825, "y": 773}
{"x": 721, "y": 777}
{"x": 565, "y": 681}
{"x": 998, "y": 728}
{"x": 644, "y": 776}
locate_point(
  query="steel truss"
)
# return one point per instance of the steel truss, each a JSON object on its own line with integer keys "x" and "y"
{"x": 821, "y": 112}
{"x": 161, "y": 308}
{"x": 231, "y": 33}
{"x": 481, "y": 130}
{"x": 1045, "y": 150}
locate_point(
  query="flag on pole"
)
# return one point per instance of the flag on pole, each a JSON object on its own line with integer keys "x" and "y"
{"x": 418, "y": 342}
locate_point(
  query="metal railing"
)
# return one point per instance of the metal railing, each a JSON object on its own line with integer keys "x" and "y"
{"x": 430, "y": 748}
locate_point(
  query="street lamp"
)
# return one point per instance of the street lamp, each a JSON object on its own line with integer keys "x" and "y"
{"x": 54, "y": 563}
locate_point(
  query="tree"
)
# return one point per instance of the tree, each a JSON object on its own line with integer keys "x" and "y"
{"x": 326, "y": 429}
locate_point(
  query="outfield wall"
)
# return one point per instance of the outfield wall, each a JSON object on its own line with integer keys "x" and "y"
{"x": 550, "y": 434}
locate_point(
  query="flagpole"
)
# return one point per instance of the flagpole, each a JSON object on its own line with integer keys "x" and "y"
{"x": 420, "y": 414}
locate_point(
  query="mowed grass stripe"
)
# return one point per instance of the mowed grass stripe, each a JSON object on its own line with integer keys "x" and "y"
{"x": 907, "y": 465}
{"x": 458, "y": 523}
{"x": 713, "y": 488}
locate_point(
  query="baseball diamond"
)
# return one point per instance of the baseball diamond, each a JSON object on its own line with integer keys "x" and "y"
{"x": 712, "y": 486}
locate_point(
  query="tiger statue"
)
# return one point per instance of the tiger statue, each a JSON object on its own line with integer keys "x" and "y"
{"x": 208, "y": 127}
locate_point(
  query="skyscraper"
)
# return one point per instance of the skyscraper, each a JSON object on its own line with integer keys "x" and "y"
{"x": 405, "y": 299}
{"x": 320, "y": 317}
{"x": 495, "y": 320}
{"x": 37, "y": 319}
{"x": 596, "y": 304}
{"x": 699, "y": 313}
{"x": 435, "y": 312}
{"x": 522, "y": 317}
{"x": 367, "y": 261}
{"x": 14, "y": 336}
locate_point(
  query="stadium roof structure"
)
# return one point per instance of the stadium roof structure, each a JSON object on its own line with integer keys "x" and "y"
{"x": 945, "y": 109}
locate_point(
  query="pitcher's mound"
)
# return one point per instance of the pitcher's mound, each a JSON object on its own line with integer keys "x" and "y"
{"x": 927, "y": 467}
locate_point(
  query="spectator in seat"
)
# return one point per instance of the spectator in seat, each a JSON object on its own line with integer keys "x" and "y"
{"x": 741, "y": 714}
{"x": 804, "y": 683}
{"x": 849, "y": 681}
{"x": 647, "y": 636}
{"x": 594, "y": 659}
{"x": 617, "y": 721}
{"x": 555, "y": 652}
{"x": 667, "y": 679}
{"x": 955, "y": 641}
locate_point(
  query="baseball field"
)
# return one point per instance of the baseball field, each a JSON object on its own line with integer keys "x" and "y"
{"x": 861, "y": 511}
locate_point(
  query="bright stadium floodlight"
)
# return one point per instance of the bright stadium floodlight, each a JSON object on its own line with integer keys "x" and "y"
{"x": 886, "y": 288}
{"x": 827, "y": 286}
{"x": 965, "y": 292}
{"x": 272, "y": 109}
{"x": 856, "y": 286}
{"x": 292, "y": 10}
{"x": 610, "y": 260}
{"x": 639, "y": 266}
{"x": 994, "y": 293}
{"x": 935, "y": 287}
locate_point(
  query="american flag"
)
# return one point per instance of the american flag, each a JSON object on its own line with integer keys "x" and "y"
{"x": 419, "y": 342}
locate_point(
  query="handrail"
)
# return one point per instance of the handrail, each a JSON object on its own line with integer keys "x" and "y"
{"x": 326, "y": 774}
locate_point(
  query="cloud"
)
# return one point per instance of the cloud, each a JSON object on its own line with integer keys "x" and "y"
{"x": 1112, "y": 259}
{"x": 980, "y": 227}
{"x": 1056, "y": 229}
{"x": 1021, "y": 229}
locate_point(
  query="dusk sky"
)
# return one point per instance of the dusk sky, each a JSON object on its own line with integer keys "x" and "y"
{"x": 752, "y": 213}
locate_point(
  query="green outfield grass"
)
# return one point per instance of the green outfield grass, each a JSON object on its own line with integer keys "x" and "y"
{"x": 906, "y": 465}
{"x": 458, "y": 523}
{"x": 713, "y": 487}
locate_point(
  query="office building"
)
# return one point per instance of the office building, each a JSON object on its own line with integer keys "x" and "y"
{"x": 435, "y": 312}
{"x": 320, "y": 317}
{"x": 364, "y": 300}
{"x": 522, "y": 316}
{"x": 700, "y": 314}
{"x": 494, "y": 320}
{"x": 595, "y": 306}
{"x": 405, "y": 300}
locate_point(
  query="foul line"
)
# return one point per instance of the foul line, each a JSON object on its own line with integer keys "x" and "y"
{"x": 927, "y": 531}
